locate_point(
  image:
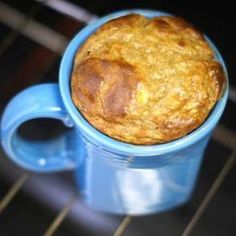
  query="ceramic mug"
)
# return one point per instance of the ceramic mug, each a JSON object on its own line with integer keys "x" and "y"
{"x": 112, "y": 176}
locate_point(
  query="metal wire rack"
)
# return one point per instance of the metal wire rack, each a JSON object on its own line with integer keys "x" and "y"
{"x": 56, "y": 42}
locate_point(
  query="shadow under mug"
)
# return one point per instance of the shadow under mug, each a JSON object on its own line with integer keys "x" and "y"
{"x": 112, "y": 176}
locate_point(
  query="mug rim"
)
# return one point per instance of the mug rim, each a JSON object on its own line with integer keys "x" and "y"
{"x": 113, "y": 145}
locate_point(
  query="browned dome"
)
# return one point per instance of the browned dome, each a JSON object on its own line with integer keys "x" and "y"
{"x": 146, "y": 81}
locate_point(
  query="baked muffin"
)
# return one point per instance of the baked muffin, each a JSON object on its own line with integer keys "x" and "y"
{"x": 146, "y": 81}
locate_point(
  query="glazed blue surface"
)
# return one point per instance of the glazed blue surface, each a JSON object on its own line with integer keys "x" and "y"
{"x": 112, "y": 176}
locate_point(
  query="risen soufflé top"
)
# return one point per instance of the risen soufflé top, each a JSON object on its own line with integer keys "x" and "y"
{"x": 146, "y": 81}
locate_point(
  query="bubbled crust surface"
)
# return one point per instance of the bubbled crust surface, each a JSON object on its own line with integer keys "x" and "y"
{"x": 146, "y": 81}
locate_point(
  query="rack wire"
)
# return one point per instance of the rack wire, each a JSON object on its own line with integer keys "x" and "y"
{"x": 49, "y": 38}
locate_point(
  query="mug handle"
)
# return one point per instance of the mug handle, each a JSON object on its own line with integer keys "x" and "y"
{"x": 40, "y": 101}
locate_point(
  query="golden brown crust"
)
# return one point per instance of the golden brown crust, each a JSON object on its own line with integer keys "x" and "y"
{"x": 118, "y": 79}
{"x": 146, "y": 81}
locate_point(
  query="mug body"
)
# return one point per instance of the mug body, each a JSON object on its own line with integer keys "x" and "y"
{"x": 112, "y": 176}
{"x": 122, "y": 178}
{"x": 121, "y": 184}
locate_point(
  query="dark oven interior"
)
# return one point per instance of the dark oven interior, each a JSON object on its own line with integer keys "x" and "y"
{"x": 33, "y": 36}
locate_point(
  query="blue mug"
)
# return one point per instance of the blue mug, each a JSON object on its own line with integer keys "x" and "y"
{"x": 112, "y": 176}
